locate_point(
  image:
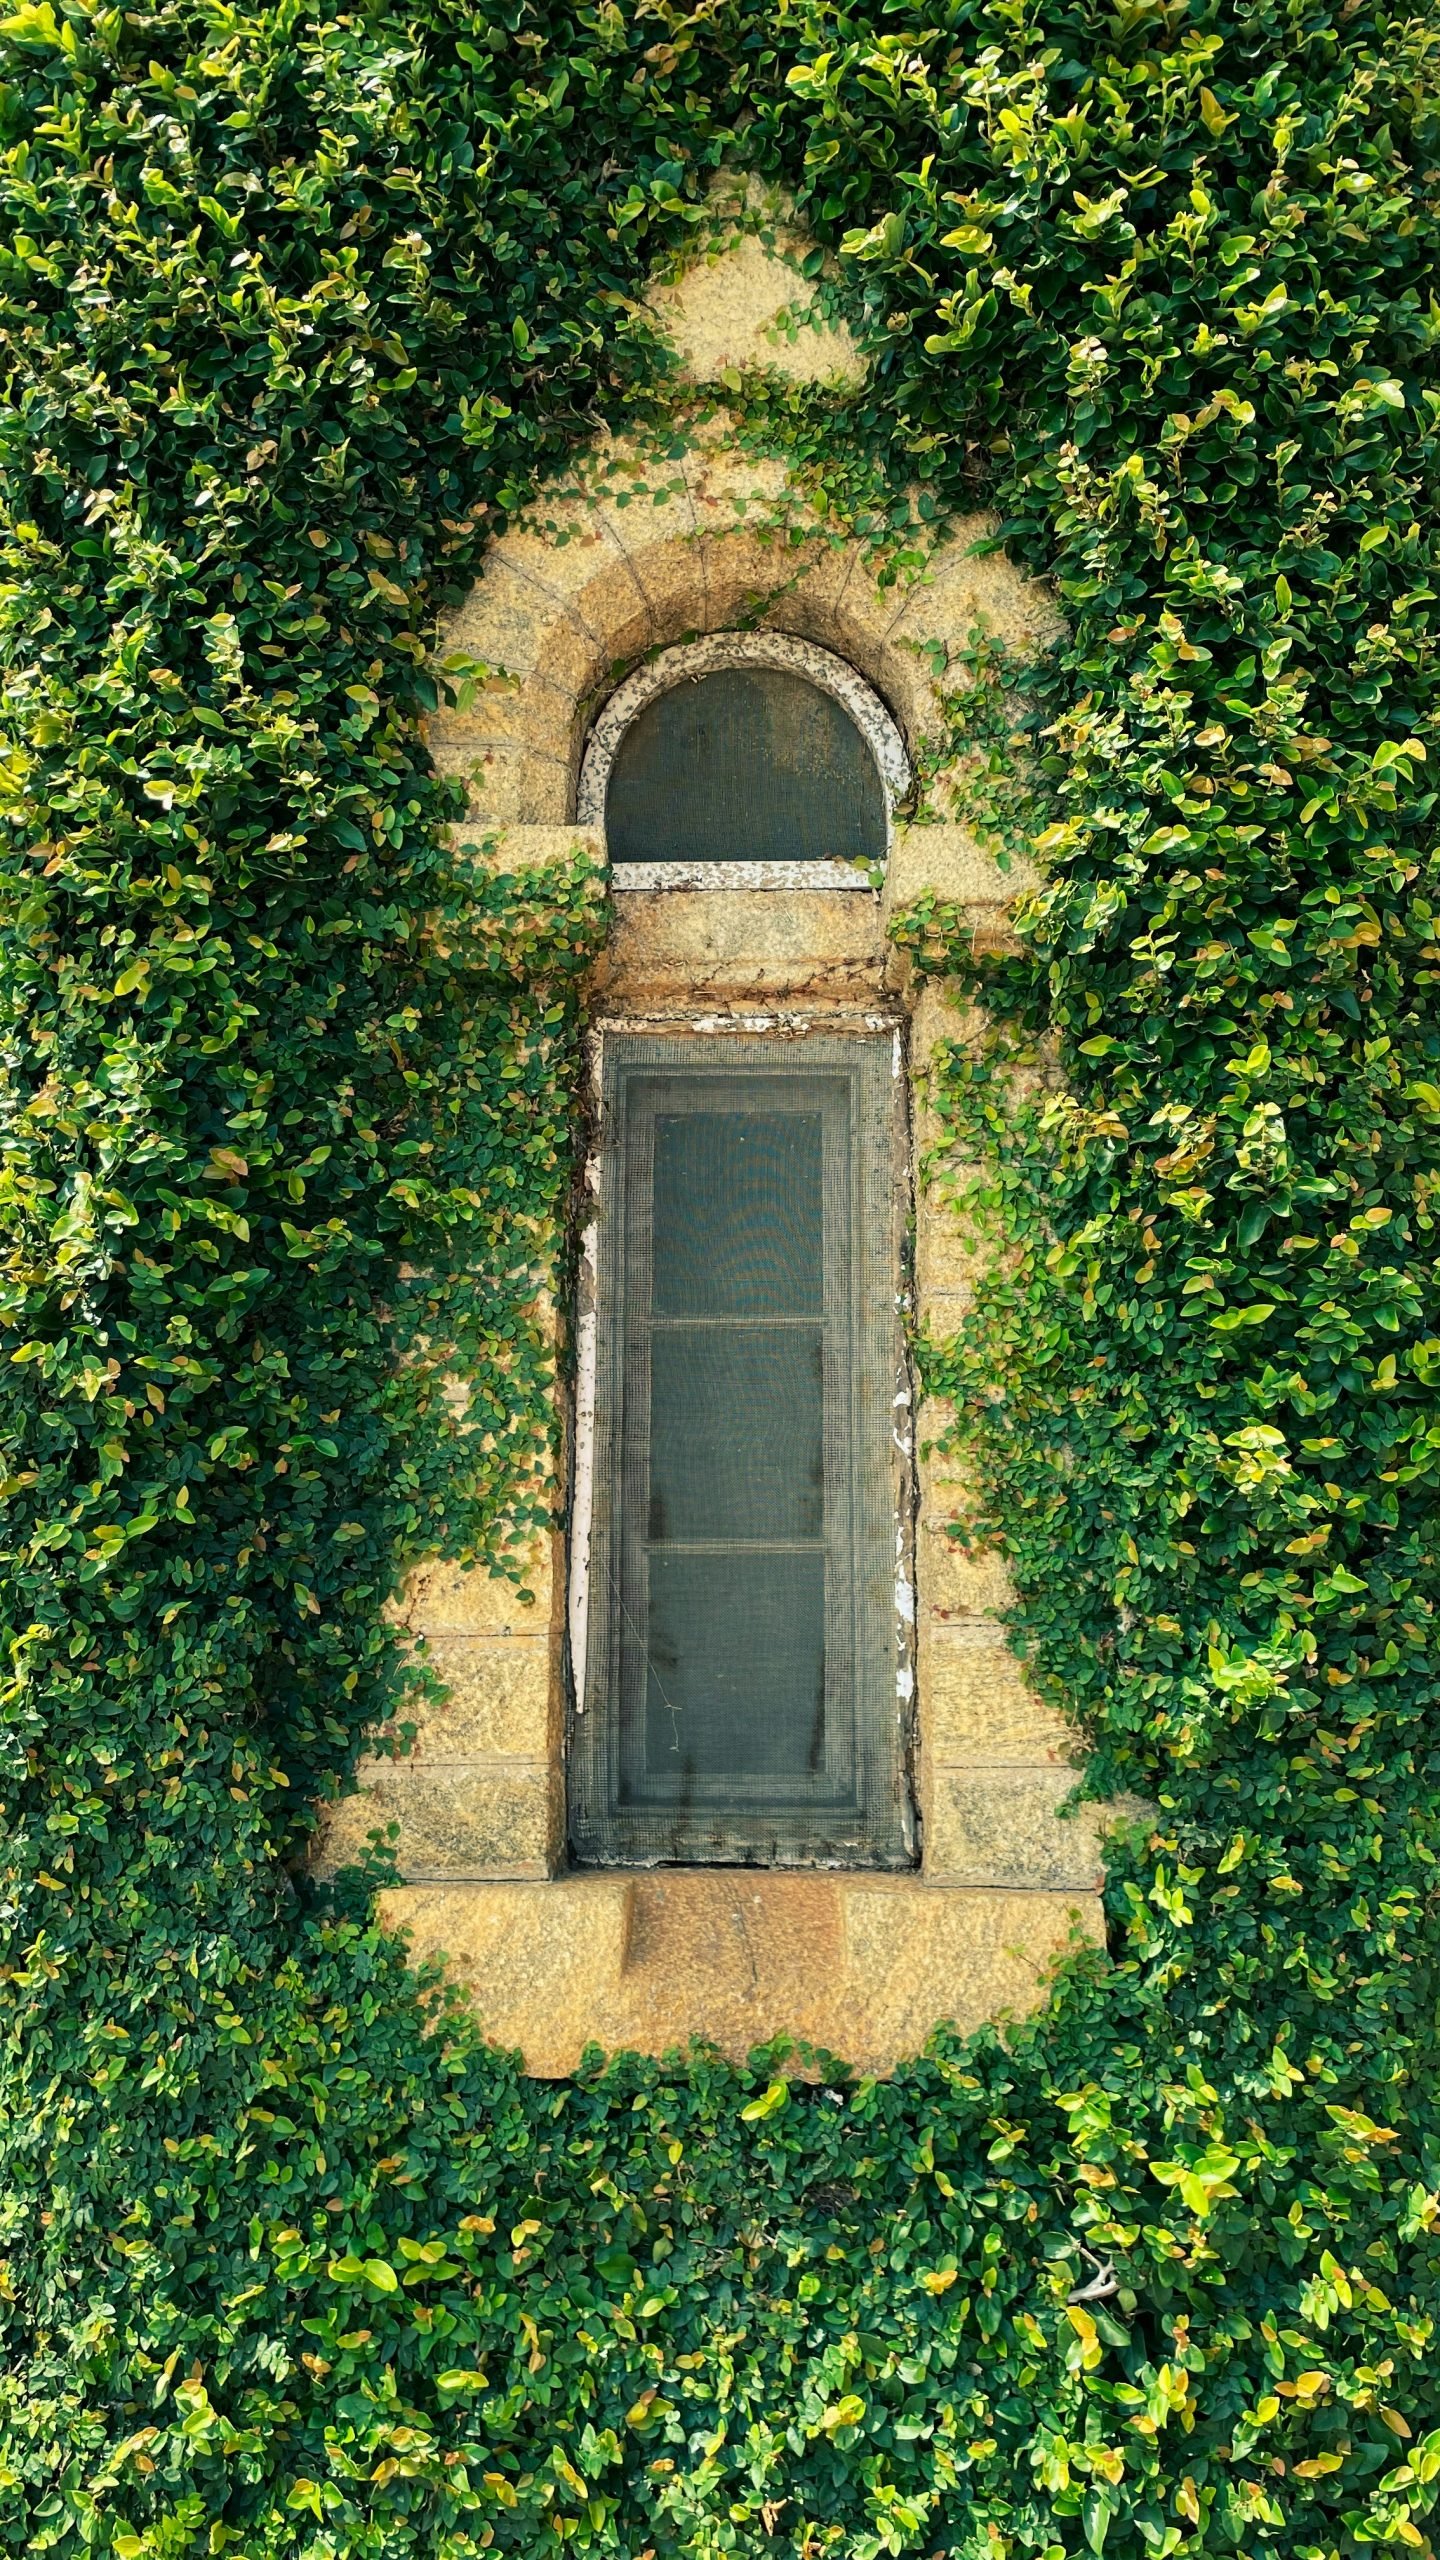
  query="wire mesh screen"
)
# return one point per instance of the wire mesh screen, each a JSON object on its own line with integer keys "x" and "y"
{"x": 747, "y": 764}
{"x": 740, "y": 1693}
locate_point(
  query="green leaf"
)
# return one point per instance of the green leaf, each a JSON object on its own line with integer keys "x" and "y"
{"x": 774, "y": 2098}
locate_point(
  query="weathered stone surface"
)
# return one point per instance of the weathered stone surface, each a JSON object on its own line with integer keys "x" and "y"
{"x": 947, "y": 1266}
{"x": 513, "y": 848}
{"x": 955, "y": 1581}
{"x": 976, "y": 1704}
{"x": 743, "y": 309}
{"x": 946, "y": 861}
{"x": 538, "y": 714}
{"x": 863, "y": 1966}
{"x": 940, "y": 1018}
{"x": 498, "y": 1702}
{"x": 508, "y": 785}
{"x": 955, "y": 596}
{"x": 749, "y": 577}
{"x": 458, "y": 1818}
{"x": 443, "y": 1599}
{"x": 502, "y": 620}
{"x": 711, "y": 944}
{"x": 1000, "y": 1827}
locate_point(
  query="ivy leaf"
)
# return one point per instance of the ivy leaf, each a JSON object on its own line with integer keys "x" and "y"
{"x": 774, "y": 2098}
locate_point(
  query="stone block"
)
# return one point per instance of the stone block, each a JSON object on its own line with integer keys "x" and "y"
{"x": 976, "y": 1706}
{"x": 504, "y": 618}
{"x": 941, "y": 1017}
{"x": 948, "y": 862}
{"x": 957, "y": 595}
{"x": 710, "y": 945}
{"x": 508, "y": 785}
{"x": 540, "y": 1961}
{"x": 812, "y": 606}
{"x": 457, "y": 1818}
{"x": 1001, "y": 1828}
{"x": 441, "y": 1598}
{"x": 954, "y": 1581}
{"x": 947, "y": 1262}
{"x": 862, "y": 1966}
{"x": 499, "y": 1701}
{"x": 673, "y": 576}
{"x": 920, "y": 1956}
{"x": 737, "y": 309}
{"x": 535, "y": 714}
{"x": 575, "y": 659}
{"x": 748, "y": 577}
{"x": 559, "y": 547}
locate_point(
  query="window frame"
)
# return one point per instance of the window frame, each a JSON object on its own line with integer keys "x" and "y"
{"x": 876, "y": 1828}
{"x": 722, "y": 649}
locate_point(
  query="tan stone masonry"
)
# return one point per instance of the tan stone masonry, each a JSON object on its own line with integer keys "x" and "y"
{"x": 634, "y": 553}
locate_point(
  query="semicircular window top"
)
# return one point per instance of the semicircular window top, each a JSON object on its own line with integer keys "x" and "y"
{"x": 744, "y": 749}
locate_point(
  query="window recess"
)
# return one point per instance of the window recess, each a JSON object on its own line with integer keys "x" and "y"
{"x": 741, "y": 1699}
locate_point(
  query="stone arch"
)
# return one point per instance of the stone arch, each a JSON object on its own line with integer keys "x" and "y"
{"x": 636, "y": 552}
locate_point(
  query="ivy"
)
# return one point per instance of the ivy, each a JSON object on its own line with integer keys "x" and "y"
{"x": 301, "y": 304}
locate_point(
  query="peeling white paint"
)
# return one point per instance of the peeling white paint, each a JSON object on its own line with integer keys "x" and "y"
{"x": 628, "y": 877}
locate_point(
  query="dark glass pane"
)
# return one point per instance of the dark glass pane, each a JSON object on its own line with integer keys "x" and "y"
{"x": 751, "y": 764}
{"x": 735, "y": 1683}
{"x": 736, "y": 1447}
{"x": 739, "y": 1214}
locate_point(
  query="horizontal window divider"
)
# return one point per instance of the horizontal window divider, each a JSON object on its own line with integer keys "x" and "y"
{"x": 738, "y": 1546}
{"x": 690, "y": 1324}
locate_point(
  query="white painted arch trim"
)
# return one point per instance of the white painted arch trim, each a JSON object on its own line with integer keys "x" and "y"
{"x": 685, "y": 664}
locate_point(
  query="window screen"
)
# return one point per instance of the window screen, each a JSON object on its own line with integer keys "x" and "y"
{"x": 747, "y": 764}
{"x": 740, "y": 1698}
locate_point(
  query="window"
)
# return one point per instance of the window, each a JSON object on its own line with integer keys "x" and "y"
{"x": 742, "y": 750}
{"x": 741, "y": 1693}
{"x": 745, "y": 764}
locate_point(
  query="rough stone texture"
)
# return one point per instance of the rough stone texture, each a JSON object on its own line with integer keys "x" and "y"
{"x": 443, "y": 1599}
{"x": 945, "y": 861}
{"x": 1000, "y": 1826}
{"x": 459, "y": 1818}
{"x": 497, "y": 1703}
{"x": 977, "y": 1705}
{"x": 633, "y": 550}
{"x": 863, "y": 1966}
{"x": 711, "y": 945}
{"x": 957, "y": 1581}
{"x": 946, "y": 1267}
{"x": 957, "y": 594}
{"x": 743, "y": 309}
{"x": 507, "y": 848}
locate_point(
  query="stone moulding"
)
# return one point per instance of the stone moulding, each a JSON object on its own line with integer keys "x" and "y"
{"x": 833, "y": 675}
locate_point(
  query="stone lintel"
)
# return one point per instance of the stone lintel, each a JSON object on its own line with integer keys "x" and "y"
{"x": 701, "y": 945}
{"x": 861, "y": 1966}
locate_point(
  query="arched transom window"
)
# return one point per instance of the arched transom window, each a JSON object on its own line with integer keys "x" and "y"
{"x": 744, "y": 748}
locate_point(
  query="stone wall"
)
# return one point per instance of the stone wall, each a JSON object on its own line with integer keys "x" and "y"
{"x": 633, "y": 552}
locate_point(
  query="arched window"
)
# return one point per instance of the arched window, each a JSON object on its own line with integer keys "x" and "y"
{"x": 747, "y": 747}
{"x": 738, "y": 1695}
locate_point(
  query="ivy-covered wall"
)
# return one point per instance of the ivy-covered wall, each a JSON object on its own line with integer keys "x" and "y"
{"x": 300, "y": 302}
